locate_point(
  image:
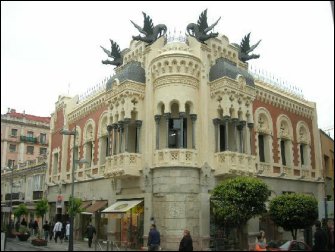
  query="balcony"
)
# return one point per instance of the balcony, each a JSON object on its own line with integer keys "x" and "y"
{"x": 28, "y": 139}
{"x": 123, "y": 165}
{"x": 176, "y": 157}
{"x": 234, "y": 163}
{"x": 15, "y": 196}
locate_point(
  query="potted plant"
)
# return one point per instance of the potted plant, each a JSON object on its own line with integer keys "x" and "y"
{"x": 38, "y": 241}
{"x": 23, "y": 233}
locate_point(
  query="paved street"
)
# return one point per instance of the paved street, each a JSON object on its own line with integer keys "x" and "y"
{"x": 13, "y": 244}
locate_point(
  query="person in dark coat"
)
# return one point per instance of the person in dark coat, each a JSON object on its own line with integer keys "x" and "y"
{"x": 154, "y": 239}
{"x": 24, "y": 222}
{"x": 90, "y": 231}
{"x": 320, "y": 238}
{"x": 186, "y": 243}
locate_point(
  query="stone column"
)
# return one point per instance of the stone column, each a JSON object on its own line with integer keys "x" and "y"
{"x": 167, "y": 117}
{"x": 138, "y": 127}
{"x": 216, "y": 122}
{"x": 181, "y": 116}
{"x": 157, "y": 120}
{"x": 109, "y": 130}
{"x": 251, "y": 126}
{"x": 226, "y": 120}
{"x": 114, "y": 125}
{"x": 193, "y": 118}
{"x": 235, "y": 122}
{"x": 120, "y": 124}
{"x": 240, "y": 128}
{"x": 126, "y": 126}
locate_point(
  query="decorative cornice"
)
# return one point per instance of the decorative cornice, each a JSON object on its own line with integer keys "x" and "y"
{"x": 176, "y": 79}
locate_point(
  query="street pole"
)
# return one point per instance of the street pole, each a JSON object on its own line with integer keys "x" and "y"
{"x": 11, "y": 198}
{"x": 72, "y": 191}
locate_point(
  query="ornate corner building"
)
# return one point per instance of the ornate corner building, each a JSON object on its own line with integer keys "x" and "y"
{"x": 176, "y": 119}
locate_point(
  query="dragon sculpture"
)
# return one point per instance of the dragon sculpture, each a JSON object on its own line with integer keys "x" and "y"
{"x": 151, "y": 32}
{"x": 200, "y": 30}
{"x": 115, "y": 54}
{"x": 244, "y": 49}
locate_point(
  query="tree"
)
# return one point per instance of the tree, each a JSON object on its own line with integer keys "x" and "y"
{"x": 294, "y": 211}
{"x": 21, "y": 210}
{"x": 42, "y": 208}
{"x": 237, "y": 200}
{"x": 74, "y": 206}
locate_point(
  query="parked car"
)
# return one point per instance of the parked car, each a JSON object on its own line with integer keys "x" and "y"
{"x": 291, "y": 246}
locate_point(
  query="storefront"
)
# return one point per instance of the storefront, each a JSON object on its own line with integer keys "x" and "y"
{"x": 129, "y": 221}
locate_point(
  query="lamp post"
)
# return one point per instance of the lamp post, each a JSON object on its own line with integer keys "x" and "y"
{"x": 73, "y": 133}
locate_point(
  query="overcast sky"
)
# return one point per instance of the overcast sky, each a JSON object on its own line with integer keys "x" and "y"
{"x": 53, "y": 48}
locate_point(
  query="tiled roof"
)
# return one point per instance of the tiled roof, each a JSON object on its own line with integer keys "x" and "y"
{"x": 14, "y": 114}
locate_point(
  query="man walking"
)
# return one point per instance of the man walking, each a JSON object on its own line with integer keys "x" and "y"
{"x": 90, "y": 232}
{"x": 154, "y": 239}
{"x": 58, "y": 230}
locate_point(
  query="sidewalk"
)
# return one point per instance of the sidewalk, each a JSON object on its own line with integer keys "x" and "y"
{"x": 13, "y": 244}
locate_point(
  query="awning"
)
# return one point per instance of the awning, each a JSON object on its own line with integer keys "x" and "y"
{"x": 121, "y": 206}
{"x": 95, "y": 207}
{"x": 85, "y": 204}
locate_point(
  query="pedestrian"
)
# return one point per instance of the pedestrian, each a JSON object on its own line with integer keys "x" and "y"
{"x": 58, "y": 230}
{"x": 90, "y": 231}
{"x": 67, "y": 231}
{"x": 260, "y": 242}
{"x": 320, "y": 238}
{"x": 186, "y": 243}
{"x": 154, "y": 239}
{"x": 24, "y": 222}
{"x": 46, "y": 228}
{"x": 17, "y": 225}
{"x": 35, "y": 227}
{"x": 331, "y": 235}
{"x": 62, "y": 237}
{"x": 51, "y": 230}
{"x": 30, "y": 226}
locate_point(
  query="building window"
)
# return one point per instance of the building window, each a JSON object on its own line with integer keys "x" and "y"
{"x": 11, "y": 163}
{"x": 303, "y": 154}
{"x": 38, "y": 182}
{"x": 30, "y": 150}
{"x": 282, "y": 150}
{"x": 43, "y": 138}
{"x": 89, "y": 153}
{"x": 30, "y": 134}
{"x": 12, "y": 147}
{"x": 13, "y": 133}
{"x": 43, "y": 151}
{"x": 261, "y": 148}
{"x": 175, "y": 132}
{"x": 55, "y": 163}
{"x": 222, "y": 137}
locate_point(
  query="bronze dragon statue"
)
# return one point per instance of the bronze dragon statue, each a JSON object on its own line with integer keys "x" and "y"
{"x": 151, "y": 32}
{"x": 115, "y": 54}
{"x": 200, "y": 30}
{"x": 244, "y": 49}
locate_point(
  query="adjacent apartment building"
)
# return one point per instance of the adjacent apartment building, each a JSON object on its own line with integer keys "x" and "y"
{"x": 24, "y": 148}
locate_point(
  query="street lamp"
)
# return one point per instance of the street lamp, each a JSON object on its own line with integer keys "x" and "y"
{"x": 73, "y": 133}
{"x": 11, "y": 193}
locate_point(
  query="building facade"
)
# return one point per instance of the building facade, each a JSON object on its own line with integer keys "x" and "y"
{"x": 24, "y": 148}
{"x": 176, "y": 119}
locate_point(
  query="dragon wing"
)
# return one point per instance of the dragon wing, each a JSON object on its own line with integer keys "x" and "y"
{"x": 202, "y": 21}
{"x": 254, "y": 46}
{"x": 116, "y": 53}
{"x": 106, "y": 51}
{"x": 212, "y": 26}
{"x": 139, "y": 28}
{"x": 245, "y": 44}
{"x": 148, "y": 26}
